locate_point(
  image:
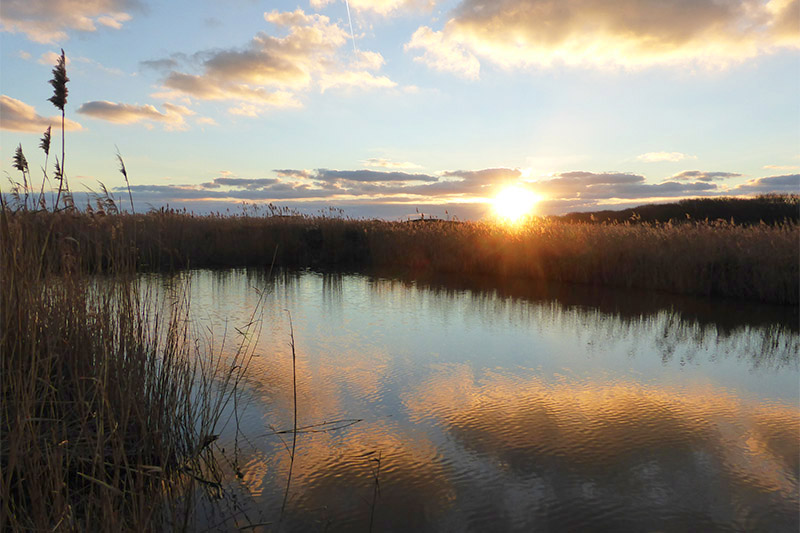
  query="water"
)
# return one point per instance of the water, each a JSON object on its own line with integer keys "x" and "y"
{"x": 464, "y": 405}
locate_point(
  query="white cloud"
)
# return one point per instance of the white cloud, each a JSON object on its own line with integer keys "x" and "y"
{"x": 51, "y": 58}
{"x": 114, "y": 21}
{"x": 782, "y": 167}
{"x": 48, "y": 21}
{"x": 360, "y": 80}
{"x": 655, "y": 157}
{"x": 443, "y": 53}
{"x": 377, "y": 162}
{"x": 16, "y": 115}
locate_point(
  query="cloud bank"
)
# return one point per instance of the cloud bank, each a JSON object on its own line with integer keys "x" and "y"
{"x": 463, "y": 192}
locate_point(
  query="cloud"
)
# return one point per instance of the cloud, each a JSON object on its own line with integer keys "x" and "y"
{"x": 594, "y": 187}
{"x": 784, "y": 15}
{"x": 467, "y": 189}
{"x": 782, "y": 167}
{"x": 656, "y": 157}
{"x": 698, "y": 175}
{"x": 486, "y": 176}
{"x": 250, "y": 184}
{"x": 360, "y": 80}
{"x": 371, "y": 176}
{"x": 607, "y": 33}
{"x": 19, "y": 116}
{"x": 385, "y": 163}
{"x": 172, "y": 117}
{"x": 787, "y": 183}
{"x": 51, "y": 58}
{"x": 444, "y": 53}
{"x": 48, "y": 21}
{"x": 160, "y": 64}
{"x": 270, "y": 71}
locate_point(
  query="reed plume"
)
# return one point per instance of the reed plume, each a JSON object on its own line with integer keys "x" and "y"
{"x": 44, "y": 144}
{"x": 124, "y": 173}
{"x": 21, "y": 164}
{"x": 59, "y": 99}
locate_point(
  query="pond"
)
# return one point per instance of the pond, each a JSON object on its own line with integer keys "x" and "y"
{"x": 473, "y": 405}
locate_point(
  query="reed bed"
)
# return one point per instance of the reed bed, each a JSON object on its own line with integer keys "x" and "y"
{"x": 109, "y": 405}
{"x": 708, "y": 258}
{"x": 758, "y": 263}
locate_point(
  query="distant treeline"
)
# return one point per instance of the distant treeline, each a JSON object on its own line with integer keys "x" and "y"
{"x": 769, "y": 209}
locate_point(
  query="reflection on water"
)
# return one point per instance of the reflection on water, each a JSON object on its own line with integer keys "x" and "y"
{"x": 515, "y": 407}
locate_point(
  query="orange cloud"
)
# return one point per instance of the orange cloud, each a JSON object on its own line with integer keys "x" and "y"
{"x": 48, "y": 21}
{"x": 172, "y": 117}
{"x": 594, "y": 424}
{"x": 271, "y": 70}
{"x": 608, "y": 33}
{"x": 19, "y": 116}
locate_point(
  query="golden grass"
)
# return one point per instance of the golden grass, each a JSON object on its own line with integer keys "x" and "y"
{"x": 723, "y": 259}
{"x": 755, "y": 262}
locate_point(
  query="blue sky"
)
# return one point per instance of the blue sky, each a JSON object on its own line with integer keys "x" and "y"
{"x": 436, "y": 105}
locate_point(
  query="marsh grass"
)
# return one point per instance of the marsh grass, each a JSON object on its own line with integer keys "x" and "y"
{"x": 756, "y": 262}
{"x": 110, "y": 401}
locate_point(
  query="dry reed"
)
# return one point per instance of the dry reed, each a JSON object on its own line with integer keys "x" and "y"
{"x": 108, "y": 404}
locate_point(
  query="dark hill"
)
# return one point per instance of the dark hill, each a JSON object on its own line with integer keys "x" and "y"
{"x": 770, "y": 209}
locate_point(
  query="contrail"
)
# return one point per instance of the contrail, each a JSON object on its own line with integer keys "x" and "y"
{"x": 353, "y": 35}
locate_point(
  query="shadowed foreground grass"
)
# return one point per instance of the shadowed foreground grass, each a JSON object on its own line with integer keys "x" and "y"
{"x": 108, "y": 403}
{"x": 713, "y": 258}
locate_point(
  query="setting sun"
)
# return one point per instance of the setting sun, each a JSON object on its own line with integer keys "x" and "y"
{"x": 514, "y": 203}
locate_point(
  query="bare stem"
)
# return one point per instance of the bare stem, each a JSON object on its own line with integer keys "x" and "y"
{"x": 294, "y": 429}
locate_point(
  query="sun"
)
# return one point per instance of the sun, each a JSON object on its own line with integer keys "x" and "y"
{"x": 513, "y": 203}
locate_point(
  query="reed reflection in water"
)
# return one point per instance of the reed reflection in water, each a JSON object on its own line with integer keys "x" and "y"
{"x": 513, "y": 408}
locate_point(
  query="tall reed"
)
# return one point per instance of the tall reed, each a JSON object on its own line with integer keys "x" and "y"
{"x": 108, "y": 404}
{"x": 59, "y": 100}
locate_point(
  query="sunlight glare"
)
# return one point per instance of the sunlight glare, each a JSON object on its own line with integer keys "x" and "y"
{"x": 512, "y": 204}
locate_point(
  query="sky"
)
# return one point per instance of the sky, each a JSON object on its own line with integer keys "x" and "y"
{"x": 386, "y": 108}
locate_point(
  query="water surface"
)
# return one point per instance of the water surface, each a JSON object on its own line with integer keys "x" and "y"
{"x": 506, "y": 407}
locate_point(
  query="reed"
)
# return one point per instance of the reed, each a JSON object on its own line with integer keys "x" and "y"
{"x": 59, "y": 100}
{"x": 108, "y": 405}
{"x": 756, "y": 262}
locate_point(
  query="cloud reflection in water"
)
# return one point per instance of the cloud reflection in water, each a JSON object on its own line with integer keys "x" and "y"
{"x": 512, "y": 408}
